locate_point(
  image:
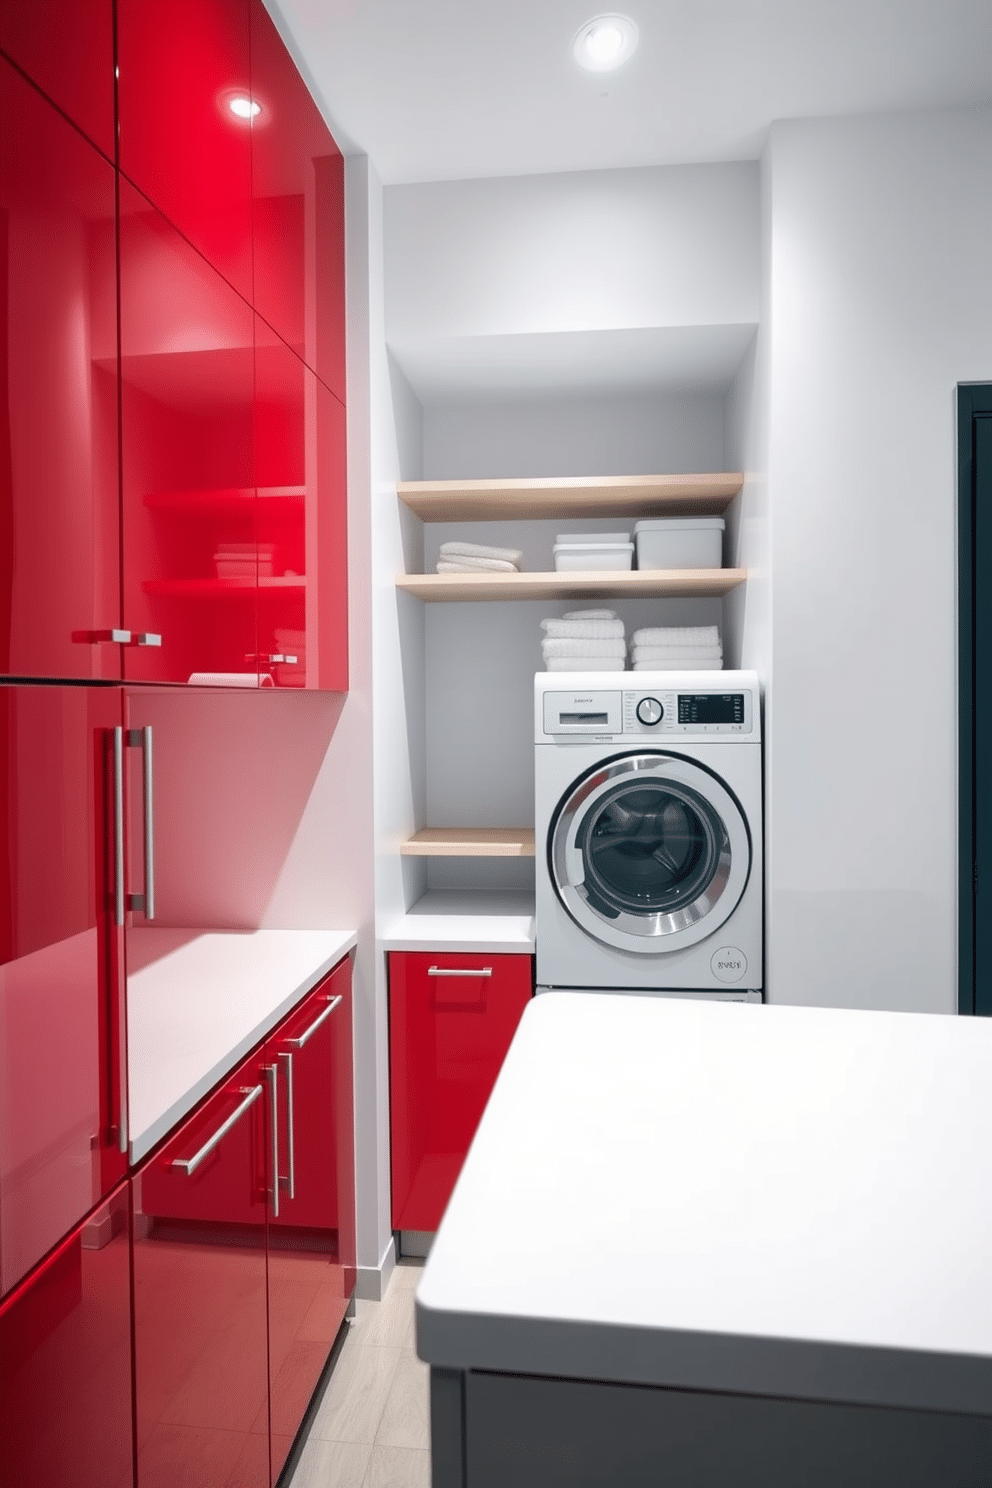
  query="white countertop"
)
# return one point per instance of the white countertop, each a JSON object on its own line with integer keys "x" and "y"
{"x": 768, "y": 1200}
{"x": 485, "y": 920}
{"x": 199, "y": 1001}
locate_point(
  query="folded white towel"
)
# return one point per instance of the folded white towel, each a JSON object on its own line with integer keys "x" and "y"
{"x": 566, "y": 646}
{"x": 590, "y": 615}
{"x": 479, "y": 550}
{"x": 678, "y": 666}
{"x": 476, "y": 565}
{"x": 591, "y": 630}
{"x": 677, "y": 635}
{"x": 585, "y": 664}
{"x": 664, "y": 654}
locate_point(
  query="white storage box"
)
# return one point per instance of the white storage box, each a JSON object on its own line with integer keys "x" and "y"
{"x": 592, "y": 539}
{"x": 680, "y": 542}
{"x": 574, "y": 557}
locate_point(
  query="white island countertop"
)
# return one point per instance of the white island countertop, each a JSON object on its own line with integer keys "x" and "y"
{"x": 764, "y": 1200}
{"x": 198, "y": 1001}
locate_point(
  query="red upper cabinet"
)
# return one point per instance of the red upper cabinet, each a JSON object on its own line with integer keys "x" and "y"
{"x": 183, "y": 64}
{"x": 297, "y": 209}
{"x": 59, "y": 533}
{"x": 67, "y": 48}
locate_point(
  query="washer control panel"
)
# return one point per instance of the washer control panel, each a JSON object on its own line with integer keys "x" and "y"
{"x": 654, "y": 711}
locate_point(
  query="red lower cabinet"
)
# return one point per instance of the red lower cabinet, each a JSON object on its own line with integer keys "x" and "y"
{"x": 200, "y": 1306}
{"x": 312, "y": 1236}
{"x": 451, "y": 1021}
{"x": 65, "y": 1362}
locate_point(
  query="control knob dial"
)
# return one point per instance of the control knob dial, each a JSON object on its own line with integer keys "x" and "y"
{"x": 649, "y": 710}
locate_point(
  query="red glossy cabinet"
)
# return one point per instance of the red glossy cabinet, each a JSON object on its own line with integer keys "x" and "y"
{"x": 451, "y": 1021}
{"x": 200, "y": 1306}
{"x": 67, "y": 47}
{"x": 312, "y": 1236}
{"x": 183, "y": 63}
{"x": 59, "y": 540}
{"x": 62, "y": 1045}
{"x": 65, "y": 1362}
{"x": 297, "y": 210}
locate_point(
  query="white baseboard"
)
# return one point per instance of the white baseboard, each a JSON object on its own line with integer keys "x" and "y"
{"x": 372, "y": 1281}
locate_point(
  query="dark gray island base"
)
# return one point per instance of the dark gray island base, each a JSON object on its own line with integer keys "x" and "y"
{"x": 520, "y": 1431}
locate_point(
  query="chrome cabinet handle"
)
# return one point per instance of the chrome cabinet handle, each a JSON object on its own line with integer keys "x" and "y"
{"x": 272, "y": 1076}
{"x": 147, "y": 638}
{"x": 290, "y": 1179}
{"x": 297, "y": 1043}
{"x": 483, "y": 971}
{"x": 142, "y": 739}
{"x": 118, "y": 826}
{"x": 95, "y": 637}
{"x": 189, "y": 1165}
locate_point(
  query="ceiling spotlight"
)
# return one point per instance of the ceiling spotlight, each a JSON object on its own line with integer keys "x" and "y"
{"x": 244, "y": 108}
{"x": 605, "y": 42}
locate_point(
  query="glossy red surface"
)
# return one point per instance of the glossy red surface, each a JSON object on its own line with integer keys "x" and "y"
{"x": 67, "y": 48}
{"x": 181, "y": 63}
{"x": 59, "y": 554}
{"x": 188, "y": 488}
{"x": 297, "y": 209}
{"x": 200, "y": 1310}
{"x": 448, "y": 1038}
{"x": 65, "y": 1362}
{"x": 60, "y": 1004}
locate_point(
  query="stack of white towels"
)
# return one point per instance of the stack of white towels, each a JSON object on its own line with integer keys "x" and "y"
{"x": 584, "y": 641}
{"x": 466, "y": 557}
{"x": 677, "y": 648}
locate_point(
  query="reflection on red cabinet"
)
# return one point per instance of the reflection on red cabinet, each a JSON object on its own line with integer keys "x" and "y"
{"x": 200, "y": 1311}
{"x": 65, "y": 1362}
{"x": 59, "y": 554}
{"x": 451, "y": 1020}
{"x": 182, "y": 64}
{"x": 189, "y": 506}
{"x": 312, "y": 1238}
{"x": 297, "y": 209}
{"x": 61, "y": 1080}
{"x": 67, "y": 48}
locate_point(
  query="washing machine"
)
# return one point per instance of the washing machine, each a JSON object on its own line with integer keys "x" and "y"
{"x": 648, "y": 833}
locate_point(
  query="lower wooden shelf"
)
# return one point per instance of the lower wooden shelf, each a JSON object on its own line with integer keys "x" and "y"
{"x": 470, "y": 842}
{"x": 677, "y": 583}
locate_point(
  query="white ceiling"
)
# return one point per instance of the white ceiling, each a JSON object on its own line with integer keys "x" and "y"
{"x": 451, "y": 89}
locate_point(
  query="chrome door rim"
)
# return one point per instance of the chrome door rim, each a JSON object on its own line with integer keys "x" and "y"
{"x": 653, "y": 933}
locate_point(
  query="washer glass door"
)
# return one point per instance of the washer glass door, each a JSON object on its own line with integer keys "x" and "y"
{"x": 650, "y": 852}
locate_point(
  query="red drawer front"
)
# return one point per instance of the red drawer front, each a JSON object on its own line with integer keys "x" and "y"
{"x": 65, "y": 1362}
{"x": 448, "y": 1036}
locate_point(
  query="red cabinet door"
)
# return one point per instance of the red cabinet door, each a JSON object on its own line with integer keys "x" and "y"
{"x": 65, "y": 1362}
{"x": 67, "y": 48}
{"x": 189, "y": 556}
{"x": 200, "y": 1314}
{"x": 183, "y": 63}
{"x": 62, "y": 1045}
{"x": 300, "y": 468}
{"x": 59, "y": 523}
{"x": 312, "y": 1237}
{"x": 451, "y": 1020}
{"x": 297, "y": 209}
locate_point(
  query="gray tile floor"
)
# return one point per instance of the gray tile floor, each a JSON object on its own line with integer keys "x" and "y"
{"x": 371, "y": 1430}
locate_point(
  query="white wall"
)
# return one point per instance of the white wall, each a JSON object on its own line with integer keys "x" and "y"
{"x": 880, "y": 302}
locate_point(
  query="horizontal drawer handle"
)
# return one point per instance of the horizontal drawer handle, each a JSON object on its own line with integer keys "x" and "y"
{"x": 484, "y": 971}
{"x": 297, "y": 1043}
{"x": 189, "y": 1165}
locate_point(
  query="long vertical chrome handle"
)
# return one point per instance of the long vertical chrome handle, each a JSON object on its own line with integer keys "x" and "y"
{"x": 142, "y": 739}
{"x": 290, "y": 1126}
{"x": 118, "y": 826}
{"x": 272, "y": 1076}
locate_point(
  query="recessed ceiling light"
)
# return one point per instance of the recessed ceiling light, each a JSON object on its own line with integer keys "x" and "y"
{"x": 605, "y": 42}
{"x": 244, "y": 108}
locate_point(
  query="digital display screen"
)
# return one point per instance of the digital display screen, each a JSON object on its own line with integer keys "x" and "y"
{"x": 709, "y": 707}
{"x": 584, "y": 718}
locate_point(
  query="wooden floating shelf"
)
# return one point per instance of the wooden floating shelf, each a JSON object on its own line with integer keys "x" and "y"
{"x": 678, "y": 583}
{"x": 470, "y": 842}
{"x": 571, "y": 496}
{"x": 219, "y": 588}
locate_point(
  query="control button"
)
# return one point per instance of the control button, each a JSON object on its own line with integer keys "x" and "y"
{"x": 649, "y": 710}
{"x": 728, "y": 964}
